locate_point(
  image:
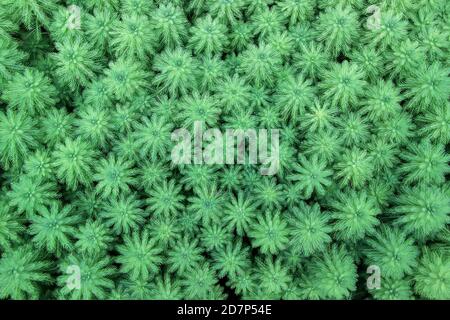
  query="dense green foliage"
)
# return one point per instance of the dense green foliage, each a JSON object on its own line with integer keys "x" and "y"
{"x": 86, "y": 178}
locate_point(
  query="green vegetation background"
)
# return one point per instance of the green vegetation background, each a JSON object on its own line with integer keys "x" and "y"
{"x": 86, "y": 115}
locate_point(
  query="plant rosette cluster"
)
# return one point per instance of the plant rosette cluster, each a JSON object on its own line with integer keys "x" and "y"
{"x": 92, "y": 207}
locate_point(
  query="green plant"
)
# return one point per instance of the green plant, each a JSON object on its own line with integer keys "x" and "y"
{"x": 311, "y": 176}
{"x": 393, "y": 289}
{"x": 31, "y": 92}
{"x": 354, "y": 167}
{"x": 170, "y": 25}
{"x": 270, "y": 233}
{"x": 355, "y": 215}
{"x": 93, "y": 237}
{"x": 18, "y": 136}
{"x": 94, "y": 125}
{"x": 139, "y": 255}
{"x": 239, "y": 212}
{"x": 54, "y": 228}
{"x": 294, "y": 95}
{"x": 10, "y": 227}
{"x": 334, "y": 273}
{"x": 95, "y": 273}
{"x": 76, "y": 63}
{"x": 123, "y": 214}
{"x": 231, "y": 260}
{"x": 425, "y": 163}
{"x": 165, "y": 199}
{"x": 208, "y": 36}
{"x": 125, "y": 78}
{"x": 343, "y": 84}
{"x": 176, "y": 71}
{"x": 184, "y": 256}
{"x": 432, "y": 280}
{"x": 309, "y": 229}
{"x": 259, "y": 64}
{"x": 393, "y": 252}
{"x": 132, "y": 36}
{"x": 272, "y": 276}
{"x": 114, "y": 177}
{"x": 74, "y": 162}
{"x": 21, "y": 270}
{"x": 422, "y": 211}
{"x": 338, "y": 28}
{"x": 29, "y": 195}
